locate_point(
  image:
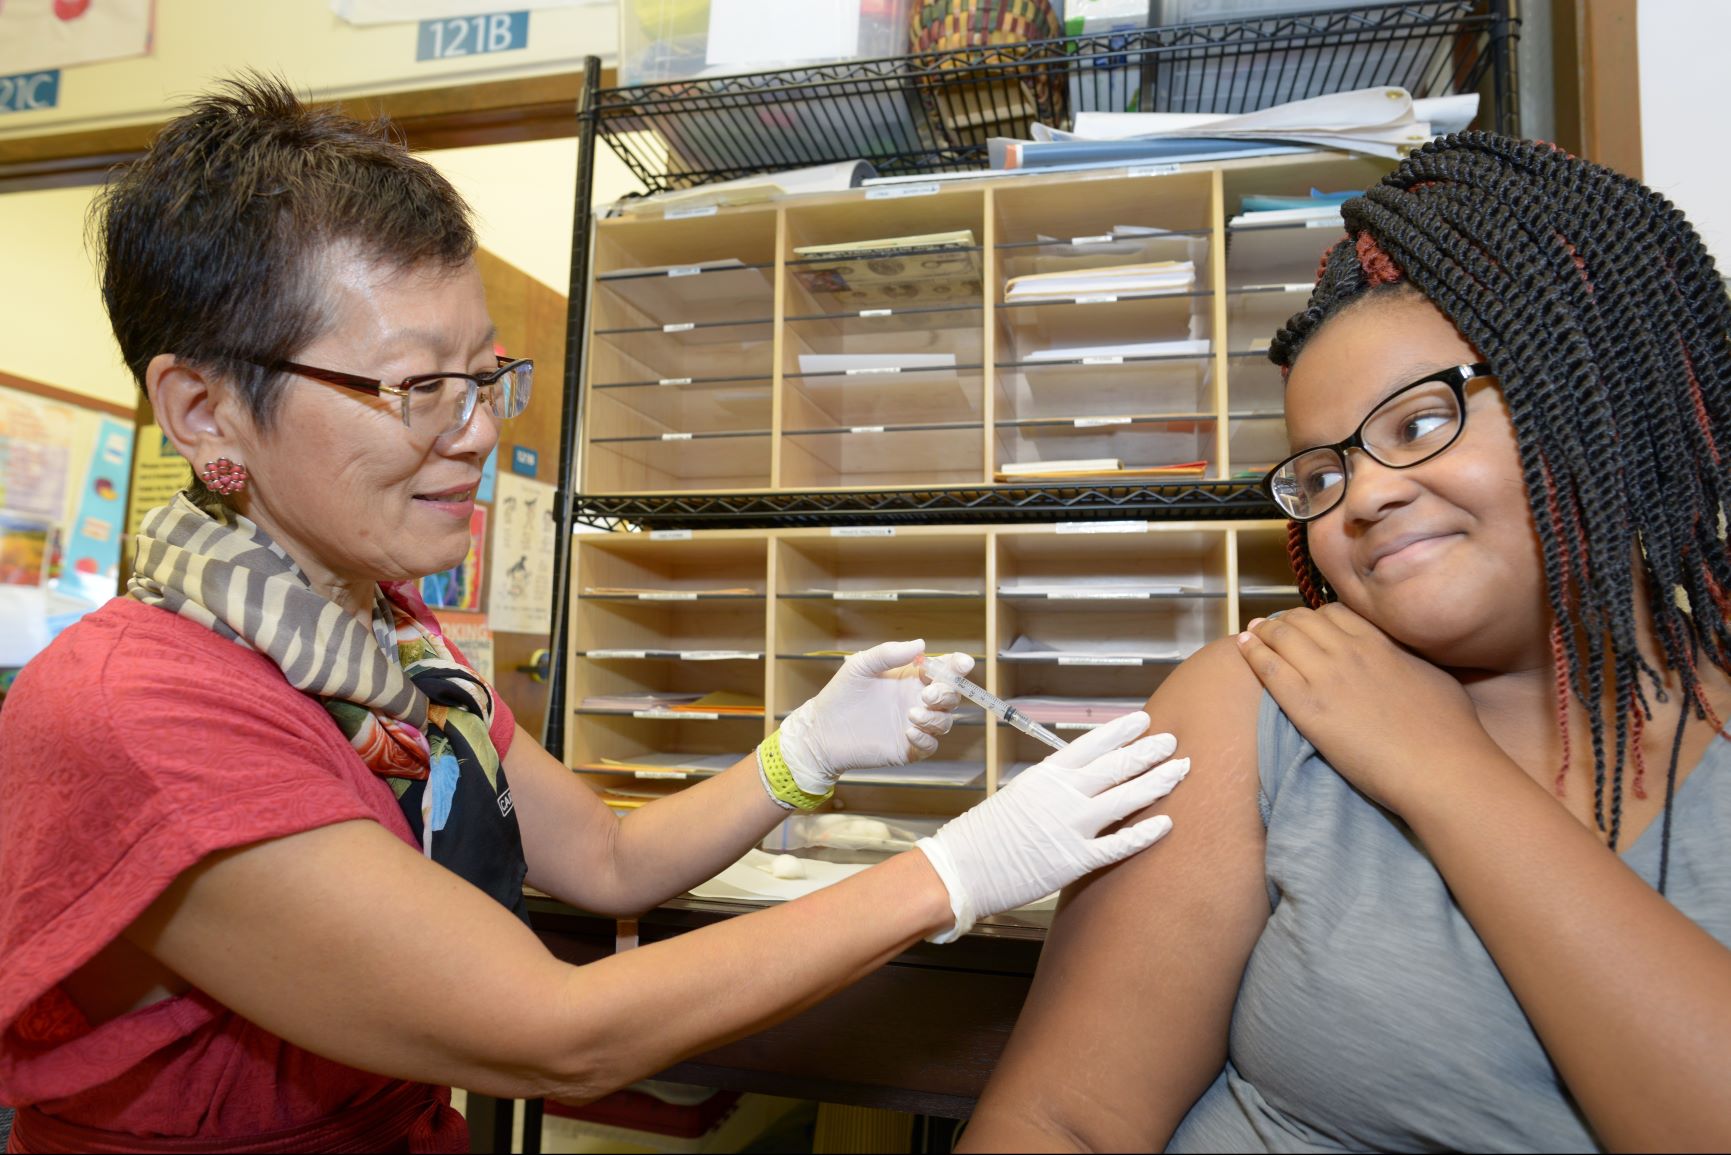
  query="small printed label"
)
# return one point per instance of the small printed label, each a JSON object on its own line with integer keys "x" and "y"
{"x": 1102, "y": 527}
{"x": 472, "y": 35}
{"x": 30, "y": 91}
{"x": 676, "y": 437}
{"x": 1259, "y": 344}
{"x": 618, "y": 654}
{"x": 1075, "y": 725}
{"x": 1102, "y": 360}
{"x": 874, "y": 369}
{"x": 524, "y": 461}
{"x": 1102, "y": 595}
{"x": 865, "y": 595}
{"x": 876, "y": 312}
{"x": 674, "y": 381}
{"x": 720, "y": 655}
{"x": 1102, "y": 239}
{"x": 1326, "y": 223}
{"x": 897, "y": 191}
{"x": 667, "y": 596}
{"x": 867, "y": 429}
{"x": 684, "y": 271}
{"x": 679, "y": 327}
{"x": 1091, "y": 422}
{"x": 1097, "y": 299}
{"x": 1278, "y": 287}
{"x": 670, "y": 535}
{"x": 677, "y": 715}
{"x": 661, "y": 774}
{"x": 862, "y": 531}
{"x": 1151, "y": 170}
{"x": 1102, "y": 660}
{"x": 688, "y": 213}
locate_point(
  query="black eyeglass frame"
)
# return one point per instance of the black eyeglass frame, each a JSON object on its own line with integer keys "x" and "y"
{"x": 1455, "y": 377}
{"x": 405, "y": 387}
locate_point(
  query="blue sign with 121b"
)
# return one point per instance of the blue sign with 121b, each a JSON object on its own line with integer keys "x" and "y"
{"x": 472, "y": 35}
{"x": 29, "y": 91}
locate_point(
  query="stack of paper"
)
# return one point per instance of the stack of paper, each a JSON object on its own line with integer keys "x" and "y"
{"x": 929, "y": 773}
{"x": 1094, "y": 652}
{"x": 1123, "y": 351}
{"x": 1377, "y": 121}
{"x": 668, "y": 765}
{"x": 1111, "y": 280}
{"x": 1075, "y": 712}
{"x": 724, "y": 703}
{"x": 1101, "y": 467}
{"x": 925, "y": 268}
{"x": 1264, "y": 211}
{"x": 634, "y": 702}
{"x": 1086, "y": 586}
{"x": 756, "y": 189}
{"x": 662, "y": 593}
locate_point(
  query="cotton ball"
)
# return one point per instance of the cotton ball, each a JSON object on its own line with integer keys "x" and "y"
{"x": 787, "y": 866}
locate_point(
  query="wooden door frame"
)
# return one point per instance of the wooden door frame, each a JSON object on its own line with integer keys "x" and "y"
{"x": 496, "y": 112}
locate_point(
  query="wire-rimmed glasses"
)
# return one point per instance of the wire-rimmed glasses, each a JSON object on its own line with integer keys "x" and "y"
{"x": 435, "y": 404}
{"x": 1409, "y": 427}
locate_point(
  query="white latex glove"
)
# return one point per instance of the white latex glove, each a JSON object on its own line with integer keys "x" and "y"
{"x": 879, "y": 710}
{"x": 1039, "y": 833}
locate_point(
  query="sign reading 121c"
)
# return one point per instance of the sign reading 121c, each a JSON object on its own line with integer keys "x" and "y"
{"x": 472, "y": 35}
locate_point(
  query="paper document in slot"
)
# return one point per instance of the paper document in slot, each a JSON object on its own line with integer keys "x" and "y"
{"x": 1061, "y": 469}
{"x": 1032, "y": 649}
{"x": 930, "y": 268}
{"x": 1178, "y": 348}
{"x": 725, "y": 703}
{"x": 1155, "y": 277}
{"x": 841, "y": 363}
{"x": 929, "y": 773}
{"x": 690, "y": 763}
{"x": 834, "y": 177}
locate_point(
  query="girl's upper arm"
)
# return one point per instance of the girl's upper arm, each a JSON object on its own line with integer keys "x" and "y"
{"x": 1127, "y": 1021}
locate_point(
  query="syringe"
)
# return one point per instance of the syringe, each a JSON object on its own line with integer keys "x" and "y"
{"x": 939, "y": 671}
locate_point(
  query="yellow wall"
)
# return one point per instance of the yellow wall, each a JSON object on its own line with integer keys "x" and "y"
{"x": 196, "y": 41}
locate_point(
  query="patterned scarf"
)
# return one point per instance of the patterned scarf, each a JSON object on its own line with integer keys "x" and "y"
{"x": 418, "y": 718}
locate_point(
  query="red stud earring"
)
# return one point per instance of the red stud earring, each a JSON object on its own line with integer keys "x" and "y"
{"x": 224, "y": 476}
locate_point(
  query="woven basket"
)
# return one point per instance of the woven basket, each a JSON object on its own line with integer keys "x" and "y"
{"x": 970, "y": 114}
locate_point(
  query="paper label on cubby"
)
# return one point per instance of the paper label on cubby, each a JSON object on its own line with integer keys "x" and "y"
{"x": 873, "y": 369}
{"x": 670, "y": 535}
{"x": 1097, "y": 299}
{"x": 867, "y": 429}
{"x": 661, "y": 774}
{"x": 876, "y": 312}
{"x": 719, "y": 655}
{"x": 674, "y": 381}
{"x": 679, "y": 327}
{"x": 1102, "y": 239}
{"x": 1326, "y": 223}
{"x": 897, "y": 191}
{"x": 862, "y": 531}
{"x": 1278, "y": 287}
{"x": 1259, "y": 344}
{"x": 676, "y": 437}
{"x": 686, "y": 213}
{"x": 1102, "y": 527}
{"x": 1151, "y": 170}
{"x": 865, "y": 595}
{"x": 667, "y": 596}
{"x": 684, "y": 271}
{"x": 1102, "y": 360}
{"x": 677, "y": 715}
{"x": 1076, "y": 725}
{"x": 618, "y": 654}
{"x": 1090, "y": 422}
{"x": 1102, "y": 660}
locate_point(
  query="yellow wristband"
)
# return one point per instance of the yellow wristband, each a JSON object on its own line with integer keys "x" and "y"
{"x": 782, "y": 786}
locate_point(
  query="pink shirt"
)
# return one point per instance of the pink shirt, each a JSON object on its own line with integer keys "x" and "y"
{"x": 135, "y": 745}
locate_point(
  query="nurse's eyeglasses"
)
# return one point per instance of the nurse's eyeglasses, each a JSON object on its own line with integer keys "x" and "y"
{"x": 434, "y": 404}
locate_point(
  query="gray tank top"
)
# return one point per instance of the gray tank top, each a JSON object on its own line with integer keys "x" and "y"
{"x": 1371, "y": 1018}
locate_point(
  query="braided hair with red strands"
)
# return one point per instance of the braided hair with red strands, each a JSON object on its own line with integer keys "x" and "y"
{"x": 1609, "y": 331}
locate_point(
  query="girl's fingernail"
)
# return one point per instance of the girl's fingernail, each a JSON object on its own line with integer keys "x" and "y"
{"x": 1244, "y": 638}
{"x": 1254, "y": 622}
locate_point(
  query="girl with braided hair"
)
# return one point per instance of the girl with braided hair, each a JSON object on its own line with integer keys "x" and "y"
{"x": 1451, "y": 871}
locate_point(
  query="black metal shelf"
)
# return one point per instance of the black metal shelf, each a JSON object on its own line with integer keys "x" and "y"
{"x": 934, "y": 112}
{"x": 1000, "y": 504}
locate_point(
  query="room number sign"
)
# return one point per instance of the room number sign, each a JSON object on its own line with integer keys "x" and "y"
{"x": 472, "y": 35}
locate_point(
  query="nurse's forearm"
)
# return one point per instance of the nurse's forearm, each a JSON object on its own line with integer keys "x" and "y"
{"x": 674, "y": 843}
{"x": 641, "y": 1011}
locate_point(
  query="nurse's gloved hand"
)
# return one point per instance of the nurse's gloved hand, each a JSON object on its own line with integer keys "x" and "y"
{"x": 879, "y": 710}
{"x": 1041, "y": 832}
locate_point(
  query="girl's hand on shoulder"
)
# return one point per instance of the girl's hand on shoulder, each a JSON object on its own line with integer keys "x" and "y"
{"x": 1382, "y": 716}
